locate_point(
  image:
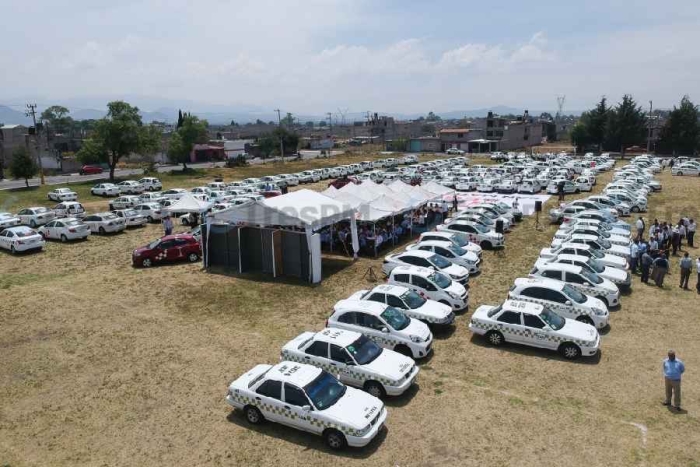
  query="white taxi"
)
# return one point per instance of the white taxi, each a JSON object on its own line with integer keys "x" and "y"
{"x": 385, "y": 325}
{"x": 453, "y": 253}
{"x": 413, "y": 304}
{"x": 561, "y": 298}
{"x": 105, "y": 189}
{"x": 131, "y": 217}
{"x": 124, "y": 202}
{"x": 20, "y": 238}
{"x": 62, "y": 194}
{"x": 478, "y": 234}
{"x": 131, "y": 187}
{"x": 596, "y": 242}
{"x": 105, "y": 222}
{"x": 458, "y": 239}
{"x": 355, "y": 359}
{"x": 568, "y": 229}
{"x": 426, "y": 259}
{"x": 69, "y": 209}
{"x": 35, "y": 216}
{"x": 580, "y": 279}
{"x": 619, "y": 277}
{"x": 432, "y": 284}
{"x": 66, "y": 229}
{"x": 579, "y": 249}
{"x": 307, "y": 398}
{"x": 534, "y": 325}
{"x": 7, "y": 219}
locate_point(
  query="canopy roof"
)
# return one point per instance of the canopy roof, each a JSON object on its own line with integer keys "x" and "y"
{"x": 302, "y": 208}
{"x": 188, "y": 203}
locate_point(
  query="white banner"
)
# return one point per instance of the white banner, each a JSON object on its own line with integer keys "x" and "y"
{"x": 525, "y": 202}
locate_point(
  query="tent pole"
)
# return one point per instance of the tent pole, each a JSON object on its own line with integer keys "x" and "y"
{"x": 374, "y": 229}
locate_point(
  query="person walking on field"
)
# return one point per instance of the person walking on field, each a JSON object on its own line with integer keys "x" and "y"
{"x": 634, "y": 255}
{"x": 640, "y": 228}
{"x": 660, "y": 270}
{"x": 646, "y": 265}
{"x": 560, "y": 190}
{"x": 673, "y": 369}
{"x": 686, "y": 266}
{"x": 168, "y": 225}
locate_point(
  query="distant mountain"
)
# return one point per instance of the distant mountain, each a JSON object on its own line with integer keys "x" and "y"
{"x": 10, "y": 116}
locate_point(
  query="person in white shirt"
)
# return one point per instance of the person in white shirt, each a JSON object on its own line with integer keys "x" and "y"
{"x": 697, "y": 268}
{"x": 640, "y": 228}
{"x": 692, "y": 227}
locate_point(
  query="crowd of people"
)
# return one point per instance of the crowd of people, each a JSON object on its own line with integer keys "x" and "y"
{"x": 651, "y": 256}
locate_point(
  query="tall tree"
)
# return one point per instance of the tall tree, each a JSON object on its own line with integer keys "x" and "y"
{"x": 179, "y": 118}
{"x": 579, "y": 136}
{"x": 681, "y": 132}
{"x": 288, "y": 119}
{"x": 626, "y": 125}
{"x": 23, "y": 165}
{"x": 57, "y": 119}
{"x": 116, "y": 136}
{"x": 597, "y": 123}
{"x": 193, "y": 131}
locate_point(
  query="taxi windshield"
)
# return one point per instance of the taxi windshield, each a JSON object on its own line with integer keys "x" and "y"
{"x": 153, "y": 244}
{"x": 439, "y": 261}
{"x": 555, "y": 321}
{"x": 594, "y": 278}
{"x": 604, "y": 243}
{"x": 364, "y": 350}
{"x": 597, "y": 253}
{"x": 595, "y": 265}
{"x": 395, "y": 318}
{"x": 325, "y": 391}
{"x": 413, "y": 300}
{"x": 480, "y": 228}
{"x": 573, "y": 294}
{"x": 457, "y": 250}
{"x": 460, "y": 239}
{"x": 441, "y": 280}
{"x": 73, "y": 222}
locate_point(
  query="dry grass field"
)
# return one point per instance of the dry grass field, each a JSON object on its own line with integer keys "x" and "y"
{"x": 104, "y": 364}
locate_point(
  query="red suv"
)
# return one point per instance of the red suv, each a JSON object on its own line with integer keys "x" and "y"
{"x": 91, "y": 170}
{"x": 341, "y": 182}
{"x": 168, "y": 249}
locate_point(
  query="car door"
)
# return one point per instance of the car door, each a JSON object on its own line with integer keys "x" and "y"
{"x": 269, "y": 401}
{"x": 537, "y": 332}
{"x": 377, "y": 297}
{"x": 372, "y": 327}
{"x": 396, "y": 302}
{"x": 511, "y": 326}
{"x": 5, "y": 240}
{"x": 48, "y": 228}
{"x": 294, "y": 402}
{"x": 342, "y": 365}
{"x": 56, "y": 229}
{"x": 164, "y": 252}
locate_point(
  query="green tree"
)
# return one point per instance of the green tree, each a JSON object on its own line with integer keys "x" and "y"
{"x": 259, "y": 122}
{"x": 322, "y": 123}
{"x": 116, "y": 136}
{"x": 432, "y": 117}
{"x": 193, "y": 131}
{"x": 681, "y": 132}
{"x": 270, "y": 143}
{"x": 309, "y": 124}
{"x": 57, "y": 119}
{"x": 288, "y": 119}
{"x": 579, "y": 136}
{"x": 23, "y": 165}
{"x": 626, "y": 125}
{"x": 597, "y": 120}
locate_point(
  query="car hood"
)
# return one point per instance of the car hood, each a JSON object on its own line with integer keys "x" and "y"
{"x": 455, "y": 270}
{"x": 595, "y": 302}
{"x": 358, "y": 295}
{"x": 391, "y": 365}
{"x": 619, "y": 250}
{"x": 456, "y": 288}
{"x": 614, "y": 261}
{"x": 417, "y": 328}
{"x": 577, "y": 330}
{"x": 614, "y": 274}
{"x": 356, "y": 408}
{"x": 433, "y": 309}
{"x": 470, "y": 257}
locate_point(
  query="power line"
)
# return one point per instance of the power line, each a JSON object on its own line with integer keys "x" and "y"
{"x": 31, "y": 111}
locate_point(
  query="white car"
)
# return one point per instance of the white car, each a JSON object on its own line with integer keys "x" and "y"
{"x": 426, "y": 259}
{"x": 62, "y": 194}
{"x": 432, "y": 284}
{"x": 458, "y": 239}
{"x": 685, "y": 169}
{"x": 561, "y": 298}
{"x": 151, "y": 184}
{"x": 151, "y": 211}
{"x": 35, "y": 216}
{"x": 568, "y": 229}
{"x": 66, "y": 229}
{"x": 174, "y": 193}
{"x": 620, "y": 277}
{"x": 466, "y": 183}
{"x": 309, "y": 176}
{"x": 389, "y": 327}
{"x": 151, "y": 197}
{"x": 601, "y": 216}
{"x": 131, "y": 187}
{"x": 124, "y": 202}
{"x": 507, "y": 186}
{"x": 105, "y": 222}
{"x": 221, "y": 186}
{"x": 105, "y": 189}
{"x": 69, "y": 209}
{"x": 595, "y": 224}
{"x": 357, "y": 360}
{"x": 307, "y": 398}
{"x": 569, "y": 187}
{"x": 20, "y": 238}
{"x": 201, "y": 190}
{"x": 411, "y": 303}
{"x": 131, "y": 216}
{"x": 484, "y": 237}
{"x": 454, "y": 151}
{"x": 487, "y": 185}
{"x": 451, "y": 252}
{"x": 587, "y": 251}
{"x": 585, "y": 183}
{"x": 580, "y": 279}
{"x": 534, "y": 325}
{"x": 529, "y": 185}
{"x": 8, "y": 219}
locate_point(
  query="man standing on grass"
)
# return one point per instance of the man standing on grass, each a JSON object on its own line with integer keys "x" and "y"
{"x": 686, "y": 266}
{"x": 660, "y": 270}
{"x": 697, "y": 268}
{"x": 634, "y": 254}
{"x": 167, "y": 225}
{"x": 640, "y": 228}
{"x": 692, "y": 226}
{"x": 673, "y": 369}
{"x": 646, "y": 265}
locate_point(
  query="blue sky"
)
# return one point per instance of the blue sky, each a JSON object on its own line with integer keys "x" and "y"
{"x": 311, "y": 56}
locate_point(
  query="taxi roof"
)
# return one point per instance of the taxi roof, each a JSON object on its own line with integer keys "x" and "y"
{"x": 408, "y": 269}
{"x": 297, "y": 374}
{"x": 523, "y": 307}
{"x": 417, "y": 252}
{"x": 337, "y": 336}
{"x": 561, "y": 267}
{"x": 366, "y": 306}
{"x": 443, "y": 243}
{"x": 390, "y": 289}
{"x": 540, "y": 281}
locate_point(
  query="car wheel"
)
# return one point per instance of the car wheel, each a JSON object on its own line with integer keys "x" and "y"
{"x": 32, "y": 224}
{"x": 111, "y": 207}
{"x": 577, "y": 191}
{"x": 334, "y": 439}
{"x": 12, "y": 250}
{"x": 193, "y": 257}
{"x": 253, "y": 415}
{"x": 102, "y": 231}
{"x": 680, "y": 173}
{"x": 635, "y": 208}
{"x": 64, "y": 239}
{"x": 149, "y": 219}
{"x": 495, "y": 338}
{"x": 403, "y": 350}
{"x": 486, "y": 245}
{"x": 146, "y": 263}
{"x": 585, "y": 319}
{"x": 375, "y": 389}
{"x": 570, "y": 351}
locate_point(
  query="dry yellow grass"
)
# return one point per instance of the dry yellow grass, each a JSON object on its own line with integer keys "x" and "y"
{"x": 103, "y": 364}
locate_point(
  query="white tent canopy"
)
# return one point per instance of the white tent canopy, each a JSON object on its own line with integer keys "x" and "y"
{"x": 188, "y": 203}
{"x": 438, "y": 189}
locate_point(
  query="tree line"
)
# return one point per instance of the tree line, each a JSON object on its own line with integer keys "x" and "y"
{"x": 615, "y": 128}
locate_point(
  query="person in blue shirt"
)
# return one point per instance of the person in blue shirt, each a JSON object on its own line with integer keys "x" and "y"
{"x": 673, "y": 369}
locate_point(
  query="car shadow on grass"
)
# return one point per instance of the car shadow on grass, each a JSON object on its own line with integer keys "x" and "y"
{"x": 403, "y": 399}
{"x": 305, "y": 439}
{"x": 18, "y": 254}
{"x": 441, "y": 332}
{"x": 535, "y": 352}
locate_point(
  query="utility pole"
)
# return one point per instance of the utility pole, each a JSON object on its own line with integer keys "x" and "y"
{"x": 279, "y": 124}
{"x": 330, "y": 123}
{"x": 649, "y": 125}
{"x": 31, "y": 111}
